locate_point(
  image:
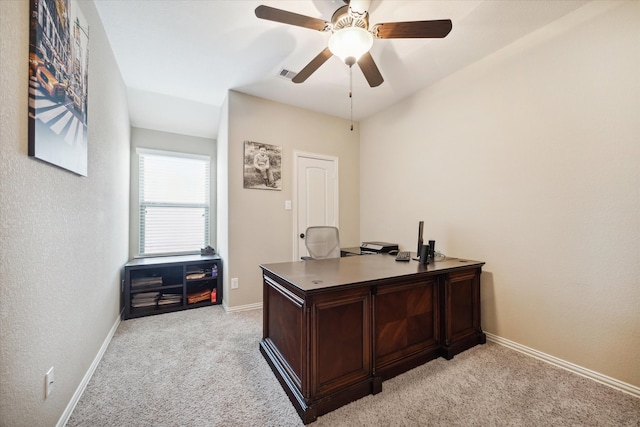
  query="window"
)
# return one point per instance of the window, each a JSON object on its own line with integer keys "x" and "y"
{"x": 174, "y": 202}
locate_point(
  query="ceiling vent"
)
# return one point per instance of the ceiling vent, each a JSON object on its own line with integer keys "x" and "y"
{"x": 287, "y": 74}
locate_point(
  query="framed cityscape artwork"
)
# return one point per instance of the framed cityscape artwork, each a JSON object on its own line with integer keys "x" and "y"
{"x": 262, "y": 166}
{"x": 58, "y": 78}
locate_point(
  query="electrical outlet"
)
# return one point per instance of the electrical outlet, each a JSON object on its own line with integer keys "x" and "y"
{"x": 234, "y": 283}
{"x": 48, "y": 382}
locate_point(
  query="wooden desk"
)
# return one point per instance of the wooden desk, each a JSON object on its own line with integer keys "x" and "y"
{"x": 334, "y": 329}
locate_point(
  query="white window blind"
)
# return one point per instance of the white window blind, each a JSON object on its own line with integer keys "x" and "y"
{"x": 174, "y": 202}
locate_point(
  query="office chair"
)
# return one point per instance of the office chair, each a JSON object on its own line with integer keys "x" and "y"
{"x": 322, "y": 242}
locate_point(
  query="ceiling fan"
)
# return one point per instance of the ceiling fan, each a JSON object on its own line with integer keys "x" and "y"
{"x": 351, "y": 37}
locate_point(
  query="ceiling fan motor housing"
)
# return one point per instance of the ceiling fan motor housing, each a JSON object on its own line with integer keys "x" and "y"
{"x": 344, "y": 17}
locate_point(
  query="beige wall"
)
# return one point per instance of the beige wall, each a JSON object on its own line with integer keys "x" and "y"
{"x": 259, "y": 229}
{"x": 157, "y": 140}
{"x": 530, "y": 160}
{"x": 64, "y": 237}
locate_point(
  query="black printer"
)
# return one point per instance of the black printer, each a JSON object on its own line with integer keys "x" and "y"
{"x": 377, "y": 247}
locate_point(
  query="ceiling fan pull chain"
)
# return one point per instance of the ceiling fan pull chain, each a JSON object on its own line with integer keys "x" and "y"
{"x": 351, "y": 93}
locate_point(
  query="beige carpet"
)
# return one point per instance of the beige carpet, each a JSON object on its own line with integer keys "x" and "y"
{"x": 202, "y": 367}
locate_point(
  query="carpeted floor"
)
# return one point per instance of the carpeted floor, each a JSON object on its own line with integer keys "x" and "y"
{"x": 203, "y": 367}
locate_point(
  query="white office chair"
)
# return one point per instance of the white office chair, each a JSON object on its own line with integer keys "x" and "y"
{"x": 322, "y": 242}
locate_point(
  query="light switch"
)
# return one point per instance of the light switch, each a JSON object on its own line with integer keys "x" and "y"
{"x": 287, "y": 205}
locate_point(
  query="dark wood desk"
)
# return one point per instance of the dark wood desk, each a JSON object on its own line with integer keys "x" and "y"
{"x": 334, "y": 329}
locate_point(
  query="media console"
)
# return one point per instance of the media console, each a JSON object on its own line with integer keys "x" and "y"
{"x": 159, "y": 285}
{"x": 335, "y": 329}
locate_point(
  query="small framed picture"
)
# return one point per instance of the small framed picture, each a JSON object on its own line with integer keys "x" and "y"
{"x": 262, "y": 166}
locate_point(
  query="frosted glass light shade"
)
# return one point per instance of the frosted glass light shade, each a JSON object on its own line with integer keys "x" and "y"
{"x": 350, "y": 42}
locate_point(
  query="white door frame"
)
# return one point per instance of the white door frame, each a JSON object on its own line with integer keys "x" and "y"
{"x": 296, "y": 156}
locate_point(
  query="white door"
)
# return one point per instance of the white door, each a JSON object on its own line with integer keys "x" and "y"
{"x": 316, "y": 196}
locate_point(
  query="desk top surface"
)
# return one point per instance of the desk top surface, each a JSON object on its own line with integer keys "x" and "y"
{"x": 323, "y": 273}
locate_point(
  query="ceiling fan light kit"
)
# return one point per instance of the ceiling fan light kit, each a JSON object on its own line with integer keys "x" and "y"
{"x": 350, "y": 43}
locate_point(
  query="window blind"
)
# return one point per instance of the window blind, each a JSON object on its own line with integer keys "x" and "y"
{"x": 174, "y": 202}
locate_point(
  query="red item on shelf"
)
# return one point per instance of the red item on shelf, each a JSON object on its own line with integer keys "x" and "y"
{"x": 213, "y": 295}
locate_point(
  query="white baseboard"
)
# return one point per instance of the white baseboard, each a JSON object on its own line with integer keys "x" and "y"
{"x": 85, "y": 380}
{"x": 247, "y": 307}
{"x": 587, "y": 373}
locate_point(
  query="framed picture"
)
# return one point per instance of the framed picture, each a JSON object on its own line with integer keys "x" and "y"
{"x": 262, "y": 166}
{"x": 58, "y": 79}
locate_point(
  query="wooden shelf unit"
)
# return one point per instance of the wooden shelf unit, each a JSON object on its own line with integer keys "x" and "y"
{"x": 159, "y": 285}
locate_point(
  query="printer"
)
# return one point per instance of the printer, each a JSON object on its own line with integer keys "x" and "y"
{"x": 377, "y": 247}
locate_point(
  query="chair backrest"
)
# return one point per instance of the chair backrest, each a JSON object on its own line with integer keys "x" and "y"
{"x": 322, "y": 242}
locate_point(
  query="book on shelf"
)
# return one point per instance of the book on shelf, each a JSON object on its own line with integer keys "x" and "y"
{"x": 144, "y": 299}
{"x": 166, "y": 299}
{"x": 202, "y": 273}
{"x": 146, "y": 282}
{"x": 199, "y": 295}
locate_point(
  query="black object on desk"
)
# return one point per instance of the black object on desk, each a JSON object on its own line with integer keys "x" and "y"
{"x": 424, "y": 254}
{"x": 378, "y": 247}
{"x": 350, "y": 251}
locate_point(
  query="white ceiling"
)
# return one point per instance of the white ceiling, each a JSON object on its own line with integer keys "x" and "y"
{"x": 179, "y": 58}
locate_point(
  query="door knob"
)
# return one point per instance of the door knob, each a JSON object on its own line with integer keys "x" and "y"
{"x": 302, "y": 235}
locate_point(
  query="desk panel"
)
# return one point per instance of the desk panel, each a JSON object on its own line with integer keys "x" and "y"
{"x": 461, "y": 304}
{"x": 340, "y": 344}
{"x": 407, "y": 324}
{"x": 284, "y": 327}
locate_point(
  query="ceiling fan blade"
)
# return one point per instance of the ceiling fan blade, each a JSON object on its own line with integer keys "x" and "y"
{"x": 312, "y": 66}
{"x": 413, "y": 29}
{"x": 285, "y": 17}
{"x": 370, "y": 70}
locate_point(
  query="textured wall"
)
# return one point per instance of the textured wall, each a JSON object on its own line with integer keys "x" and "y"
{"x": 64, "y": 237}
{"x": 530, "y": 160}
{"x": 260, "y": 230}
